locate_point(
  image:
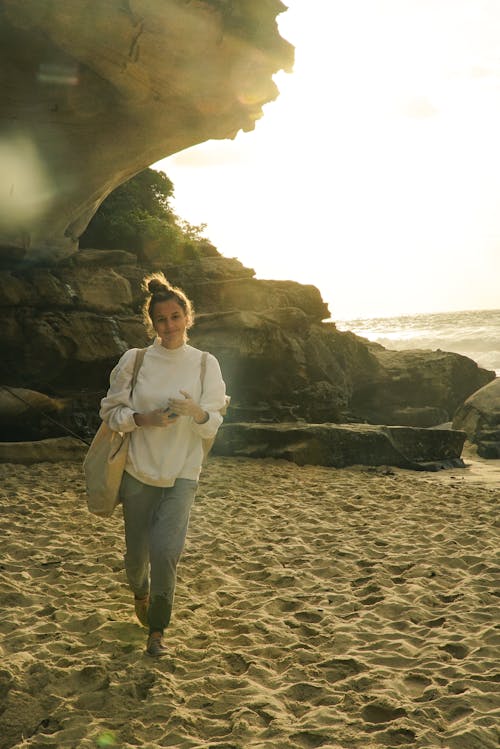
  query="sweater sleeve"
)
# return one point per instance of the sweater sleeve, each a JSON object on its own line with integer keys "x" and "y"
{"x": 116, "y": 408}
{"x": 213, "y": 398}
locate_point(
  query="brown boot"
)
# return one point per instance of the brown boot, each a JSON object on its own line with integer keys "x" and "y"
{"x": 156, "y": 647}
{"x": 141, "y": 606}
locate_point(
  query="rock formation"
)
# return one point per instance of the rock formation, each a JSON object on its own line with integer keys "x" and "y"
{"x": 417, "y": 388}
{"x": 54, "y": 450}
{"x": 336, "y": 445}
{"x": 479, "y": 417}
{"x": 20, "y": 406}
{"x": 344, "y": 445}
{"x": 93, "y": 91}
{"x": 65, "y": 326}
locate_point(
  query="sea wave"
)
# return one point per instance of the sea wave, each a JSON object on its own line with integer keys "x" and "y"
{"x": 472, "y": 333}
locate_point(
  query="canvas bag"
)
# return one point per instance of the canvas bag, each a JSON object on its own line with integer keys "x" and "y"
{"x": 105, "y": 461}
{"x": 208, "y": 442}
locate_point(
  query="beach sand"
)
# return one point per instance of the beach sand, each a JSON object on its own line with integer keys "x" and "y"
{"x": 343, "y": 609}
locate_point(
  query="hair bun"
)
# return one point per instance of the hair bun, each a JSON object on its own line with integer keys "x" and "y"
{"x": 155, "y": 286}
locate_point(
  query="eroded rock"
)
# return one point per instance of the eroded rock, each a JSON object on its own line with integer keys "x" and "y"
{"x": 341, "y": 445}
{"x": 27, "y": 414}
{"x": 65, "y": 350}
{"x": 281, "y": 373}
{"x": 52, "y": 450}
{"x": 94, "y": 92}
{"x": 479, "y": 417}
{"x": 421, "y": 388}
{"x": 66, "y": 325}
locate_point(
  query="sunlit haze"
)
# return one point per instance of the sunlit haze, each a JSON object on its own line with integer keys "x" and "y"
{"x": 375, "y": 175}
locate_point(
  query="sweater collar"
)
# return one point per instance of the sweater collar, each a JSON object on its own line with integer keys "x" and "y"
{"x": 170, "y": 353}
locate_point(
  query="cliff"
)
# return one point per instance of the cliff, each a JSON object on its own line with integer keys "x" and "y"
{"x": 93, "y": 91}
{"x": 66, "y": 324}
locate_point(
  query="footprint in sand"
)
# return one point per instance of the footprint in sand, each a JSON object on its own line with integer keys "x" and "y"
{"x": 236, "y": 664}
{"x": 338, "y": 669}
{"x": 274, "y": 643}
{"x": 455, "y": 649}
{"x": 415, "y": 684}
{"x": 304, "y": 692}
{"x": 310, "y": 617}
{"x": 142, "y": 686}
{"x": 396, "y": 737}
{"x": 282, "y": 606}
{"x": 378, "y": 712}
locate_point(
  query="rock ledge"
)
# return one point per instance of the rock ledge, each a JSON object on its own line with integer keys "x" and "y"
{"x": 341, "y": 445}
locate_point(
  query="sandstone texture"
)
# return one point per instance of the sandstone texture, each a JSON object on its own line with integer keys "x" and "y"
{"x": 66, "y": 324}
{"x": 28, "y": 414}
{"x": 479, "y": 417}
{"x": 419, "y": 388}
{"x": 341, "y": 445}
{"x": 94, "y": 91}
{"x": 42, "y": 451}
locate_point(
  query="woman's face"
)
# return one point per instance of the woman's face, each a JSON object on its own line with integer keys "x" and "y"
{"x": 170, "y": 322}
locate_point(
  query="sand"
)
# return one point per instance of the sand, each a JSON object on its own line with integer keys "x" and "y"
{"x": 343, "y": 609}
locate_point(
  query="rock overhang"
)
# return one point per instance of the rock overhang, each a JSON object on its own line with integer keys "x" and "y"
{"x": 96, "y": 91}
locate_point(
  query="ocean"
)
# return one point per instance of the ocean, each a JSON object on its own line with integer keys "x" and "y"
{"x": 475, "y": 333}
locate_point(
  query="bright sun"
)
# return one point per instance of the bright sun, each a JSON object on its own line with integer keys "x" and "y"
{"x": 375, "y": 175}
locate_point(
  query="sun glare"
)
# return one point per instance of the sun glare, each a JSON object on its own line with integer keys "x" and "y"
{"x": 378, "y": 162}
{"x": 25, "y": 189}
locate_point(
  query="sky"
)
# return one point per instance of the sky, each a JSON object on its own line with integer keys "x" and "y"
{"x": 375, "y": 175}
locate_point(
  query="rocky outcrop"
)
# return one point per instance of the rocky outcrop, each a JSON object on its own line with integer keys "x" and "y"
{"x": 65, "y": 325}
{"x": 42, "y": 451}
{"x": 336, "y": 445}
{"x": 284, "y": 365}
{"x": 27, "y": 414}
{"x": 417, "y": 388}
{"x": 93, "y": 92}
{"x": 479, "y": 417}
{"x": 341, "y": 445}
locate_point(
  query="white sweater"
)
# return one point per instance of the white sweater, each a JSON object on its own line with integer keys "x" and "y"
{"x": 159, "y": 455}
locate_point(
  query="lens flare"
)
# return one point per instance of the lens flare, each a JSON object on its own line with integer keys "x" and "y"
{"x": 58, "y": 75}
{"x": 105, "y": 739}
{"x": 25, "y": 188}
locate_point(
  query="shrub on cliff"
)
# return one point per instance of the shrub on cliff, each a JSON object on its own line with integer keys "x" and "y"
{"x": 137, "y": 216}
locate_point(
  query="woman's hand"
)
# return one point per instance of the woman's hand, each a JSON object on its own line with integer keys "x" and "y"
{"x": 188, "y": 407}
{"x": 157, "y": 418}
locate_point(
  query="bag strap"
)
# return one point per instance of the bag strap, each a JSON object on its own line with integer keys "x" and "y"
{"x": 139, "y": 358}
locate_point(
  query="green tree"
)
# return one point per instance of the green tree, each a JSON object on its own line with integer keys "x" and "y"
{"x": 137, "y": 216}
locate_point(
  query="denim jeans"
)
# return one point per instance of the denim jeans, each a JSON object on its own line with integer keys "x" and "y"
{"x": 156, "y": 523}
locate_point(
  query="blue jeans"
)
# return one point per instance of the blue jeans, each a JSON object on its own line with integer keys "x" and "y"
{"x": 156, "y": 523}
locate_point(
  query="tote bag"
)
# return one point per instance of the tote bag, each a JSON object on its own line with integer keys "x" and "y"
{"x": 105, "y": 461}
{"x": 208, "y": 442}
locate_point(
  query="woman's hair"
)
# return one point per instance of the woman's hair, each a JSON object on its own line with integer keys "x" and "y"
{"x": 158, "y": 289}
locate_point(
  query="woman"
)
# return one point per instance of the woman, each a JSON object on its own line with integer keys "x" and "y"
{"x": 168, "y": 414}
